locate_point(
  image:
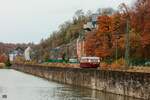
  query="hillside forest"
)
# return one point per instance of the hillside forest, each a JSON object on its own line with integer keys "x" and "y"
{"x": 120, "y": 34}
{"x": 110, "y": 36}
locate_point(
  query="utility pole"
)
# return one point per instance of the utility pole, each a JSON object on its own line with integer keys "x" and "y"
{"x": 127, "y": 46}
{"x": 117, "y": 37}
{"x": 127, "y": 36}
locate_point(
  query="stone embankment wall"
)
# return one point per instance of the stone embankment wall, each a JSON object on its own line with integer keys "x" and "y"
{"x": 134, "y": 84}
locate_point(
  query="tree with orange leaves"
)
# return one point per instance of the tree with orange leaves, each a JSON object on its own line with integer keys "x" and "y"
{"x": 104, "y": 24}
{"x": 103, "y": 36}
{"x": 90, "y": 42}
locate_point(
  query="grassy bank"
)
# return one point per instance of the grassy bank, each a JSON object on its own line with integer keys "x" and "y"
{"x": 141, "y": 69}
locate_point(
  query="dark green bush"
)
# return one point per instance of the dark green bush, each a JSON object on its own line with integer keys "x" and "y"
{"x": 139, "y": 61}
{"x": 8, "y": 64}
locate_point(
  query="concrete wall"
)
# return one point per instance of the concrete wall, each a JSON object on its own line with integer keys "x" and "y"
{"x": 118, "y": 82}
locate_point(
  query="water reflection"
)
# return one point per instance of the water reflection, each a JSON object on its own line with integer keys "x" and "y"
{"x": 20, "y": 86}
{"x": 76, "y": 93}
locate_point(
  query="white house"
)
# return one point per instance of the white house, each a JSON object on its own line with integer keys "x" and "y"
{"x": 27, "y": 54}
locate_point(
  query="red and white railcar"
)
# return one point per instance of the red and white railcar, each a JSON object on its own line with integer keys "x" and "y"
{"x": 89, "y": 62}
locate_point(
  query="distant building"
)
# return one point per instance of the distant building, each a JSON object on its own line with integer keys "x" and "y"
{"x": 80, "y": 48}
{"x": 27, "y": 54}
{"x": 65, "y": 51}
{"x": 16, "y": 52}
{"x": 88, "y": 26}
{"x": 94, "y": 20}
{"x": 11, "y": 57}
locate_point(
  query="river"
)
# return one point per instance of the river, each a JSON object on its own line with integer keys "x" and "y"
{"x": 16, "y": 85}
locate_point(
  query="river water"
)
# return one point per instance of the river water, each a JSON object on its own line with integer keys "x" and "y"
{"x": 16, "y": 85}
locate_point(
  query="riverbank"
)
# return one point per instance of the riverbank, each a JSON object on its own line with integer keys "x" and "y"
{"x": 134, "y": 84}
{"x": 138, "y": 69}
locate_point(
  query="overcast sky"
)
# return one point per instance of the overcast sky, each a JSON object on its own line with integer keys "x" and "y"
{"x": 23, "y": 21}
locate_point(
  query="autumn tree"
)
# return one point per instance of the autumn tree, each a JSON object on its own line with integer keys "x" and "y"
{"x": 91, "y": 43}
{"x": 3, "y": 58}
{"x": 141, "y": 25}
{"x": 104, "y": 36}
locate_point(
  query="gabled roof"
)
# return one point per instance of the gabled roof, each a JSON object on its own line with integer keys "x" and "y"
{"x": 21, "y": 50}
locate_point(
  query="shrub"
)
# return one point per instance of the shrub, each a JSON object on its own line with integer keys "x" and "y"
{"x": 8, "y": 64}
{"x": 104, "y": 65}
{"x": 121, "y": 61}
{"x": 2, "y": 65}
{"x": 118, "y": 63}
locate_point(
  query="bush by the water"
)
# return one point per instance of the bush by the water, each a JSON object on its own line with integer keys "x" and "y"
{"x": 7, "y": 64}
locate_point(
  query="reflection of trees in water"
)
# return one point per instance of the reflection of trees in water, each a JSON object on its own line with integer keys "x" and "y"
{"x": 109, "y": 96}
{"x": 79, "y": 93}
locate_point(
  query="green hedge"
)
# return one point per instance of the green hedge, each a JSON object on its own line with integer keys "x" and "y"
{"x": 140, "y": 62}
{"x": 55, "y": 61}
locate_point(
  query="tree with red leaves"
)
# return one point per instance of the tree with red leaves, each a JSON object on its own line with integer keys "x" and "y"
{"x": 3, "y": 58}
